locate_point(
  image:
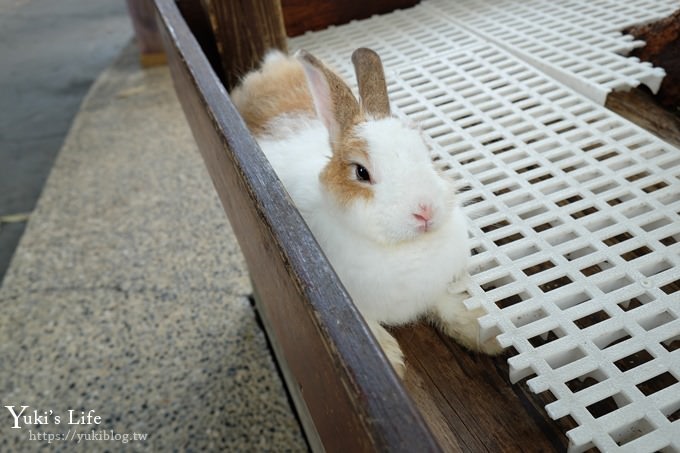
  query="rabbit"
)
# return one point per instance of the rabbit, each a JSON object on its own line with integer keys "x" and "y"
{"x": 363, "y": 180}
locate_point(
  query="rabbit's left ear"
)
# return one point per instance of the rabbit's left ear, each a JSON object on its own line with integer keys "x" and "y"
{"x": 371, "y": 80}
{"x": 334, "y": 102}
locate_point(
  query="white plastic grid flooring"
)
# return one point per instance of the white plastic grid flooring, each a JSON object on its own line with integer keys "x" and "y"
{"x": 575, "y": 220}
{"x": 576, "y": 42}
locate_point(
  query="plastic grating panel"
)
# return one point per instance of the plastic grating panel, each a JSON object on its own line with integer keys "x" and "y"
{"x": 576, "y": 229}
{"x": 408, "y": 36}
{"x": 577, "y": 42}
{"x": 575, "y": 218}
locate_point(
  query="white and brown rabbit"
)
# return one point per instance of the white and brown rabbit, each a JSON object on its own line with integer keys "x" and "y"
{"x": 364, "y": 182}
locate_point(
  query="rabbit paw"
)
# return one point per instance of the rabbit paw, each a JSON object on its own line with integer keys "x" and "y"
{"x": 454, "y": 319}
{"x": 390, "y": 347}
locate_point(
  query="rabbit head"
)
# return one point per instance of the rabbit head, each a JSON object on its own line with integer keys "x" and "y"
{"x": 380, "y": 177}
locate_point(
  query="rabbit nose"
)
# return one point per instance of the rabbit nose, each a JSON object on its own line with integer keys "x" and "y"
{"x": 424, "y": 214}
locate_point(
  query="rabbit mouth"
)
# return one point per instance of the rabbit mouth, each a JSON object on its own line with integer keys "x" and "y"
{"x": 422, "y": 228}
{"x": 423, "y": 225}
{"x": 424, "y": 218}
{"x": 426, "y": 228}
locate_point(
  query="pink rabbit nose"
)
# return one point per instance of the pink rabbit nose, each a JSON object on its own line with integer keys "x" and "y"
{"x": 424, "y": 215}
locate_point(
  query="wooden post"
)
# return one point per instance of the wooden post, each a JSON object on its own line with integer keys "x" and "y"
{"x": 148, "y": 38}
{"x": 244, "y": 31}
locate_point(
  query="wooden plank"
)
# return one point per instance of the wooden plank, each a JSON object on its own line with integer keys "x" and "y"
{"x": 342, "y": 379}
{"x": 472, "y": 395}
{"x": 244, "y": 31}
{"x": 303, "y": 15}
{"x": 640, "y": 107}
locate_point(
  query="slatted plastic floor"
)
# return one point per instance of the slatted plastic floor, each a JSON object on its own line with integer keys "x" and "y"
{"x": 575, "y": 212}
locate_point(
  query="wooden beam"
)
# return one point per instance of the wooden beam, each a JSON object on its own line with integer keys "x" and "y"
{"x": 244, "y": 31}
{"x": 349, "y": 397}
{"x": 304, "y": 15}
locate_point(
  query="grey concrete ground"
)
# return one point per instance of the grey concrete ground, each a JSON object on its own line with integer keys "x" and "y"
{"x": 50, "y": 53}
{"x": 128, "y": 295}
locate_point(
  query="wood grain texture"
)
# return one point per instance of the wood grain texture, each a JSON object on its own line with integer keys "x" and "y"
{"x": 662, "y": 49}
{"x": 470, "y": 395}
{"x": 244, "y": 31}
{"x": 342, "y": 379}
{"x": 303, "y": 15}
{"x": 640, "y": 107}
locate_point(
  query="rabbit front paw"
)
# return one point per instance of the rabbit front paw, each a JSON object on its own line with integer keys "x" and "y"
{"x": 390, "y": 347}
{"x": 452, "y": 317}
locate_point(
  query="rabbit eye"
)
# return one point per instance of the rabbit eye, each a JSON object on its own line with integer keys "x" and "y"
{"x": 362, "y": 173}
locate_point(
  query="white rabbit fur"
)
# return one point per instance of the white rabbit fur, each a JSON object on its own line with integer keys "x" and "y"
{"x": 393, "y": 272}
{"x": 395, "y": 268}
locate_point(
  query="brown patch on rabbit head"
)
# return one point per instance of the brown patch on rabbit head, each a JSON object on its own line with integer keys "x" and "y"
{"x": 339, "y": 111}
{"x": 339, "y": 175}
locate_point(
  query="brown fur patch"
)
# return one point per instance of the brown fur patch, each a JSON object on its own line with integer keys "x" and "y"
{"x": 279, "y": 87}
{"x": 345, "y": 108}
{"x": 338, "y": 177}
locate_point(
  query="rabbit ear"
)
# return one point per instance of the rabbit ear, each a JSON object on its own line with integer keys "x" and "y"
{"x": 372, "y": 85}
{"x": 334, "y": 102}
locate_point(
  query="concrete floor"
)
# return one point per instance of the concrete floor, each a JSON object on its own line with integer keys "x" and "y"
{"x": 127, "y": 297}
{"x": 50, "y": 54}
